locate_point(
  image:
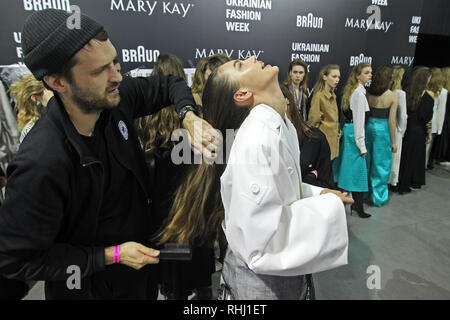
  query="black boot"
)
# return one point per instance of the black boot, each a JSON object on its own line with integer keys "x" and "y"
{"x": 358, "y": 205}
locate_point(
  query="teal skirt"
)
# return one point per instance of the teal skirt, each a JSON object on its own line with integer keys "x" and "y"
{"x": 350, "y": 169}
{"x": 378, "y": 159}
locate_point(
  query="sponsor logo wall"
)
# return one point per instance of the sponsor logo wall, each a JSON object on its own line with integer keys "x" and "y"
{"x": 321, "y": 32}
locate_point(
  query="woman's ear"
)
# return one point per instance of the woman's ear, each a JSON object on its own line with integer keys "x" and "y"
{"x": 243, "y": 96}
{"x": 34, "y": 98}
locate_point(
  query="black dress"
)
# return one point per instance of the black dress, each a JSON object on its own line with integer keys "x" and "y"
{"x": 412, "y": 163}
{"x": 440, "y": 151}
{"x": 177, "y": 278}
{"x": 315, "y": 160}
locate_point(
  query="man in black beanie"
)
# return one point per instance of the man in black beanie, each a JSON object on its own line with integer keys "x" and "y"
{"x": 77, "y": 207}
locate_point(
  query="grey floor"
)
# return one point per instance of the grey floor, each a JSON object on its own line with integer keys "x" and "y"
{"x": 406, "y": 242}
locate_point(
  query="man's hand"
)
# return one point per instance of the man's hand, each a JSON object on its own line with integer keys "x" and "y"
{"x": 342, "y": 195}
{"x": 203, "y": 137}
{"x": 134, "y": 255}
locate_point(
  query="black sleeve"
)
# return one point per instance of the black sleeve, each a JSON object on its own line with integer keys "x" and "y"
{"x": 323, "y": 164}
{"x": 30, "y": 219}
{"x": 426, "y": 108}
{"x": 144, "y": 96}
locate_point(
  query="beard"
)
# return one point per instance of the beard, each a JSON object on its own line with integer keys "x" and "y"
{"x": 90, "y": 102}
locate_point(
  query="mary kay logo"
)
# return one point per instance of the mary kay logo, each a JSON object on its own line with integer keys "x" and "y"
{"x": 402, "y": 60}
{"x": 231, "y": 53}
{"x": 149, "y": 7}
{"x": 373, "y": 22}
{"x": 38, "y": 5}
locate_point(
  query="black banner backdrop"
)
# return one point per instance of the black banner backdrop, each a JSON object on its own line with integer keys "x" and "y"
{"x": 321, "y": 32}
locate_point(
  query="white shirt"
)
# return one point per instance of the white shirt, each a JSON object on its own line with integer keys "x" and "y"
{"x": 359, "y": 106}
{"x": 275, "y": 223}
{"x": 402, "y": 115}
{"x": 440, "y": 102}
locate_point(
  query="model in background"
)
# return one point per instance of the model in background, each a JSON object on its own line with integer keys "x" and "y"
{"x": 297, "y": 82}
{"x": 420, "y": 112}
{"x": 315, "y": 161}
{"x": 31, "y": 97}
{"x": 402, "y": 116}
{"x": 441, "y": 148}
{"x": 380, "y": 134}
{"x": 202, "y": 71}
{"x": 324, "y": 113}
{"x": 439, "y": 92}
{"x": 351, "y": 168}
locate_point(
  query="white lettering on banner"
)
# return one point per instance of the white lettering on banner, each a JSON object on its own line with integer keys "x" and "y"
{"x": 254, "y": 4}
{"x": 141, "y": 6}
{"x": 38, "y": 5}
{"x": 416, "y": 20}
{"x": 368, "y": 24}
{"x": 306, "y": 57}
{"x": 174, "y": 8}
{"x": 139, "y": 55}
{"x": 181, "y": 9}
{"x": 237, "y": 26}
{"x": 310, "y": 21}
{"x": 240, "y": 53}
{"x": 19, "y": 52}
{"x": 201, "y": 53}
{"x": 402, "y": 60}
{"x": 355, "y": 60}
{"x": 312, "y": 47}
{"x": 414, "y": 29}
{"x": 380, "y": 2}
{"x": 243, "y": 14}
{"x": 17, "y": 37}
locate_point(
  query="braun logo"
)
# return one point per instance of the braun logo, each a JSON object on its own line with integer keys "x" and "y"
{"x": 355, "y": 60}
{"x": 139, "y": 55}
{"x": 38, "y": 5}
{"x": 380, "y": 2}
{"x": 309, "y": 21}
{"x": 402, "y": 60}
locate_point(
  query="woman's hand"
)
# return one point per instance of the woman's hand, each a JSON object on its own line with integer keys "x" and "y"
{"x": 134, "y": 255}
{"x": 394, "y": 148}
{"x": 342, "y": 195}
{"x": 363, "y": 154}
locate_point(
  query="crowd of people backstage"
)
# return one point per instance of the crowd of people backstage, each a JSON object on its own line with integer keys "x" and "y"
{"x": 87, "y": 134}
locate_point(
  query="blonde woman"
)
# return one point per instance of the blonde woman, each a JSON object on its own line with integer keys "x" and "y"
{"x": 31, "y": 97}
{"x": 324, "y": 113}
{"x": 351, "y": 170}
{"x": 402, "y": 116}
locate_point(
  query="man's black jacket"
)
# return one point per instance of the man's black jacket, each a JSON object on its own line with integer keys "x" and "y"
{"x": 49, "y": 218}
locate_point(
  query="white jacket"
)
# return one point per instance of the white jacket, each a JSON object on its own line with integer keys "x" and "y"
{"x": 268, "y": 224}
{"x": 440, "y": 104}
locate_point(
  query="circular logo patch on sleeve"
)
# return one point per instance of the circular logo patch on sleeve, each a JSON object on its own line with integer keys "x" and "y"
{"x": 123, "y": 129}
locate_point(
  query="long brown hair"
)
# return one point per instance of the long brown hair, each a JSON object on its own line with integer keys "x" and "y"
{"x": 197, "y": 210}
{"x": 166, "y": 120}
{"x": 414, "y": 83}
{"x": 295, "y": 116}
{"x": 22, "y": 91}
{"x": 351, "y": 84}
{"x": 381, "y": 81}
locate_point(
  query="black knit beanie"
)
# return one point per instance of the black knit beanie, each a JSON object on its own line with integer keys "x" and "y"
{"x": 47, "y": 42}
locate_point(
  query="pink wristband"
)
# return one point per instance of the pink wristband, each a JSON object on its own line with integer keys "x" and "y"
{"x": 116, "y": 254}
{"x": 315, "y": 173}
